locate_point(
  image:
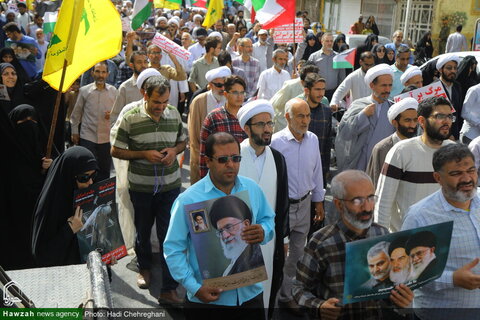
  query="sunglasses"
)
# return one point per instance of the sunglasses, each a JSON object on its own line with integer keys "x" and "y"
{"x": 85, "y": 177}
{"x": 224, "y": 159}
{"x": 218, "y": 85}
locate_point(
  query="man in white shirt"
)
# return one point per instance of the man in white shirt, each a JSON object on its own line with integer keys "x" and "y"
{"x": 271, "y": 80}
{"x": 262, "y": 50}
{"x": 456, "y": 41}
{"x": 92, "y": 110}
{"x": 198, "y": 49}
{"x": 354, "y": 83}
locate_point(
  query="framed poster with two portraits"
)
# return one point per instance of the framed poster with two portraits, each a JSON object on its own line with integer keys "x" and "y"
{"x": 225, "y": 260}
{"x": 415, "y": 257}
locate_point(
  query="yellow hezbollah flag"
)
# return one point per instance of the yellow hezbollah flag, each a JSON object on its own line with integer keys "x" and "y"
{"x": 214, "y": 13}
{"x": 172, "y": 5}
{"x": 86, "y": 32}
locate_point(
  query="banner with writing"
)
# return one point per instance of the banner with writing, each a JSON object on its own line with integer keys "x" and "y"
{"x": 284, "y": 34}
{"x": 434, "y": 89}
{"x": 168, "y": 45}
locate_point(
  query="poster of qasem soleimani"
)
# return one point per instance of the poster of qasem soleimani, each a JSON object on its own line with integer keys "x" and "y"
{"x": 225, "y": 260}
{"x": 101, "y": 228}
{"x": 413, "y": 257}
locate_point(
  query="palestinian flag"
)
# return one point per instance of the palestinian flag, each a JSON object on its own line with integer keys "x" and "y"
{"x": 142, "y": 9}
{"x": 345, "y": 59}
{"x": 49, "y": 21}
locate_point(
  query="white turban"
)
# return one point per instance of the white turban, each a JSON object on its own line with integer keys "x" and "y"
{"x": 400, "y": 106}
{"x": 174, "y": 21}
{"x": 252, "y": 108}
{"x": 410, "y": 73}
{"x": 197, "y": 16}
{"x": 220, "y": 72}
{"x": 216, "y": 34}
{"x": 378, "y": 70}
{"x": 160, "y": 19}
{"x": 446, "y": 58}
{"x": 145, "y": 74}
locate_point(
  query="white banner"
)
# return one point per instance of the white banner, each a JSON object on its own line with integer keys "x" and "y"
{"x": 169, "y": 46}
{"x": 284, "y": 34}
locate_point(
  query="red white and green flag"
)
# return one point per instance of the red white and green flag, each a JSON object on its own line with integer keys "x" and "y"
{"x": 271, "y": 13}
{"x": 200, "y": 3}
{"x": 345, "y": 59}
{"x": 142, "y": 9}
{"x": 49, "y": 21}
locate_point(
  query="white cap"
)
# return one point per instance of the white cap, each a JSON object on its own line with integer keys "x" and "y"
{"x": 376, "y": 71}
{"x": 145, "y": 74}
{"x": 216, "y": 73}
{"x": 252, "y": 108}
{"x": 410, "y": 73}
{"x": 262, "y": 31}
{"x": 215, "y": 34}
{"x": 174, "y": 21}
{"x": 446, "y": 58}
{"x": 400, "y": 106}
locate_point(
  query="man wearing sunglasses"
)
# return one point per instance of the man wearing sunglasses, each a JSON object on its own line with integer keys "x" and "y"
{"x": 223, "y": 160}
{"x": 202, "y": 105}
{"x": 407, "y": 174}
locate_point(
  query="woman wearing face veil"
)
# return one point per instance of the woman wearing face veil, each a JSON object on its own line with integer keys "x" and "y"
{"x": 55, "y": 223}
{"x": 28, "y": 170}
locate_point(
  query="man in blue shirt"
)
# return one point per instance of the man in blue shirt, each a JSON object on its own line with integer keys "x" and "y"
{"x": 455, "y": 294}
{"x": 223, "y": 161}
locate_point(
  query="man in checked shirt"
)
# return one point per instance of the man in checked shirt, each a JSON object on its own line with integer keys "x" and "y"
{"x": 321, "y": 271}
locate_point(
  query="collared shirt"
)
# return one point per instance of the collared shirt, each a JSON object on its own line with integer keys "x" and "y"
{"x": 270, "y": 82}
{"x": 304, "y": 164}
{"x": 128, "y": 92}
{"x": 321, "y": 271}
{"x": 333, "y": 77}
{"x": 196, "y": 51}
{"x": 219, "y": 120}
{"x": 464, "y": 247}
{"x": 321, "y": 126}
{"x": 263, "y": 53}
{"x": 252, "y": 72}
{"x": 353, "y": 83}
{"x": 178, "y": 247}
{"x": 138, "y": 131}
{"x": 199, "y": 70}
{"x": 212, "y": 102}
{"x": 397, "y": 84}
{"x": 90, "y": 109}
{"x": 456, "y": 42}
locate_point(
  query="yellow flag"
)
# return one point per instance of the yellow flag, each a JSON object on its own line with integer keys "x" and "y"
{"x": 214, "y": 13}
{"x": 172, "y": 5}
{"x": 86, "y": 32}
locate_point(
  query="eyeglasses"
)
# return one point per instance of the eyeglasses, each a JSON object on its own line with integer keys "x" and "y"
{"x": 360, "y": 201}
{"x": 237, "y": 94}
{"x": 84, "y": 178}
{"x": 418, "y": 254}
{"x": 228, "y": 228}
{"x": 218, "y": 85}
{"x": 442, "y": 116}
{"x": 224, "y": 159}
{"x": 262, "y": 124}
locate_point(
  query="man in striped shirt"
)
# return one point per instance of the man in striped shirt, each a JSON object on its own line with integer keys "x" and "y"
{"x": 150, "y": 136}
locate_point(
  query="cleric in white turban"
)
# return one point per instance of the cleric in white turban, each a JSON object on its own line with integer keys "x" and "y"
{"x": 446, "y": 58}
{"x": 221, "y": 72}
{"x": 400, "y": 106}
{"x": 412, "y": 76}
{"x": 378, "y": 70}
{"x": 253, "y": 108}
{"x": 145, "y": 74}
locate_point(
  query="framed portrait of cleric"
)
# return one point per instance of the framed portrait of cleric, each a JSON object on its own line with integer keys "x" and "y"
{"x": 415, "y": 257}
{"x": 198, "y": 218}
{"x": 225, "y": 260}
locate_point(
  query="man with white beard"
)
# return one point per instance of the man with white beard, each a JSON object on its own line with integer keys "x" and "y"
{"x": 453, "y": 295}
{"x": 379, "y": 266}
{"x": 230, "y": 215}
{"x": 399, "y": 261}
{"x": 421, "y": 249}
{"x": 321, "y": 271}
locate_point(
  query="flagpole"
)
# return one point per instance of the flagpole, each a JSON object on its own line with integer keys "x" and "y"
{"x": 55, "y": 112}
{"x": 294, "y": 49}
